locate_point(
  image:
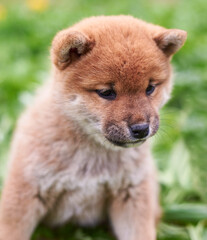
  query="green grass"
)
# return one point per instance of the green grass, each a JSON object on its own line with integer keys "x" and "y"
{"x": 180, "y": 147}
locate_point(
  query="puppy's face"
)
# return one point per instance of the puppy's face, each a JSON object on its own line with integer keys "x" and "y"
{"x": 114, "y": 77}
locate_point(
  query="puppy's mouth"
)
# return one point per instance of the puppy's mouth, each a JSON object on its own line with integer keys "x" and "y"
{"x": 127, "y": 144}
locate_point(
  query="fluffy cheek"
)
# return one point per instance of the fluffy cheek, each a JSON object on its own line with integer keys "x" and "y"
{"x": 79, "y": 109}
{"x": 154, "y": 126}
{"x": 164, "y": 97}
{"x": 164, "y": 94}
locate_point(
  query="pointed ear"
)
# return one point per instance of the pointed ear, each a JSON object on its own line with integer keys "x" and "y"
{"x": 170, "y": 41}
{"x": 69, "y": 46}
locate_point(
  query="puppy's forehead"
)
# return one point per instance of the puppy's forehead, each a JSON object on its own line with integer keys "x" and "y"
{"x": 135, "y": 66}
{"x": 124, "y": 53}
{"x": 130, "y": 65}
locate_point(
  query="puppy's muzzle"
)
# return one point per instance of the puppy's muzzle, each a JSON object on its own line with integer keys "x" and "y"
{"x": 139, "y": 131}
{"x": 127, "y": 135}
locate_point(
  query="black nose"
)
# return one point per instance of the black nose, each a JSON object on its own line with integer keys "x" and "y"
{"x": 139, "y": 131}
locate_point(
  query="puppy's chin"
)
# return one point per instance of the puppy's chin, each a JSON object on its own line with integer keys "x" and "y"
{"x": 126, "y": 144}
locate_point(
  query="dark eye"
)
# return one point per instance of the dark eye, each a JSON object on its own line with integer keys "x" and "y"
{"x": 108, "y": 94}
{"x": 150, "y": 89}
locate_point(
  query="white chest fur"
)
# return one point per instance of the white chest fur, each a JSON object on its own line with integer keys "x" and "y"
{"x": 74, "y": 184}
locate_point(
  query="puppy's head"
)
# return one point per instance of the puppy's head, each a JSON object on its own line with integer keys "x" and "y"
{"x": 113, "y": 74}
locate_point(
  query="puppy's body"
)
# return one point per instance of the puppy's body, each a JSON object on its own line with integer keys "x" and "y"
{"x": 64, "y": 164}
{"x": 75, "y": 170}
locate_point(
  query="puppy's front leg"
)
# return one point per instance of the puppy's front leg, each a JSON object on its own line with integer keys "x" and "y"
{"x": 134, "y": 212}
{"x": 20, "y": 209}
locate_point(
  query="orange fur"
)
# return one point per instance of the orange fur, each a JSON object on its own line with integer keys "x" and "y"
{"x": 65, "y": 162}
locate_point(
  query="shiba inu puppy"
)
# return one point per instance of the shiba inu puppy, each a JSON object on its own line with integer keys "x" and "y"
{"x": 80, "y": 152}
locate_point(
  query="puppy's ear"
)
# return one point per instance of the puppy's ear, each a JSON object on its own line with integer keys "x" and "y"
{"x": 170, "y": 41}
{"x": 69, "y": 46}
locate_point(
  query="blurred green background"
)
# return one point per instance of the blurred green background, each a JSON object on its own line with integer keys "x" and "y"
{"x": 180, "y": 147}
